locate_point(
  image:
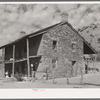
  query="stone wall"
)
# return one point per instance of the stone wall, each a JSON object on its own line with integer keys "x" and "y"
{"x": 64, "y": 36}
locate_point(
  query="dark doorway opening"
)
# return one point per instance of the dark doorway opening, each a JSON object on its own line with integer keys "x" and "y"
{"x": 34, "y": 63}
{"x": 8, "y": 69}
{"x": 21, "y": 68}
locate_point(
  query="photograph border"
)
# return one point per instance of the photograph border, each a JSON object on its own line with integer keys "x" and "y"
{"x": 73, "y": 94}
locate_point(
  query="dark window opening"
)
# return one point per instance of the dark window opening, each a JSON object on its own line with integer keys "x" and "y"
{"x": 54, "y": 44}
{"x": 73, "y": 46}
{"x": 73, "y": 63}
{"x": 98, "y": 40}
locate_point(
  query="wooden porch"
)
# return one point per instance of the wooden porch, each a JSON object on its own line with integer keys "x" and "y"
{"x": 19, "y": 56}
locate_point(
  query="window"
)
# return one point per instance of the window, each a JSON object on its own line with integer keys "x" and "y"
{"x": 73, "y": 46}
{"x": 73, "y": 63}
{"x": 54, "y": 44}
{"x": 98, "y": 40}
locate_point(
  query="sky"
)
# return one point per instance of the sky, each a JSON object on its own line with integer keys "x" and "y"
{"x": 15, "y": 18}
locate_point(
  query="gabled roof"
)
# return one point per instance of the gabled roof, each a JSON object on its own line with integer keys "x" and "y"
{"x": 42, "y": 31}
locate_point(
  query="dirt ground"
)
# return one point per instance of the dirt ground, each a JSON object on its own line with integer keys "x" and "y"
{"x": 89, "y": 81}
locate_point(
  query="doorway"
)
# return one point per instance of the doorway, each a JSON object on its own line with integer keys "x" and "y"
{"x": 8, "y": 69}
{"x": 34, "y": 63}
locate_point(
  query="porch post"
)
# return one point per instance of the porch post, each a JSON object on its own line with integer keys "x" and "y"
{"x": 13, "y": 60}
{"x": 87, "y": 66}
{"x": 3, "y": 59}
{"x": 28, "y": 62}
{"x": 95, "y": 61}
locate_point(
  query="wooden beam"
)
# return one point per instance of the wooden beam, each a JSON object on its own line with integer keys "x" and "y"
{"x": 13, "y": 60}
{"x": 3, "y": 59}
{"x": 28, "y": 62}
{"x": 81, "y": 70}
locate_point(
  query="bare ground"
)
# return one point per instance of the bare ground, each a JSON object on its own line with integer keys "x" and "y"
{"x": 89, "y": 81}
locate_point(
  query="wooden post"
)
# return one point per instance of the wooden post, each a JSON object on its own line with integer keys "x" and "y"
{"x": 87, "y": 66}
{"x": 28, "y": 62}
{"x": 53, "y": 75}
{"x": 81, "y": 70}
{"x": 67, "y": 80}
{"x": 3, "y": 59}
{"x": 46, "y": 74}
{"x": 13, "y": 60}
{"x": 95, "y": 61}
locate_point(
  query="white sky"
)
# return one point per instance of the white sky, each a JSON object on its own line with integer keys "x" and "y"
{"x": 32, "y": 17}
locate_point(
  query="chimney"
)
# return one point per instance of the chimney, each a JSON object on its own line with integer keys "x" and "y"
{"x": 64, "y": 17}
{"x": 22, "y": 33}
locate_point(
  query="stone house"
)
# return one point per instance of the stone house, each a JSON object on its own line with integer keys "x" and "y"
{"x": 58, "y": 47}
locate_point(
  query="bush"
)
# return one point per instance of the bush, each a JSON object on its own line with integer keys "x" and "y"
{"x": 18, "y": 76}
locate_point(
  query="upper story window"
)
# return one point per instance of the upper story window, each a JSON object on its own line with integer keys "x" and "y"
{"x": 54, "y": 44}
{"x": 73, "y": 46}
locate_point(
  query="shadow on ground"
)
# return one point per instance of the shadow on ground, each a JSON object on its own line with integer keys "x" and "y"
{"x": 92, "y": 84}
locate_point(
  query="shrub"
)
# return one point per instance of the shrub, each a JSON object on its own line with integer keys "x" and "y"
{"x": 18, "y": 76}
